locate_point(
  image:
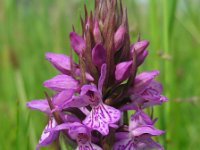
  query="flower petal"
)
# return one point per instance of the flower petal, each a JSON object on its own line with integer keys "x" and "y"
{"x": 100, "y": 117}
{"x": 77, "y": 43}
{"x": 48, "y": 137}
{"x": 60, "y": 98}
{"x": 146, "y": 129}
{"x": 142, "y": 80}
{"x": 153, "y": 145}
{"x": 139, "y": 118}
{"x": 41, "y": 105}
{"x": 61, "y": 82}
{"x": 76, "y": 101}
{"x": 60, "y": 62}
{"x": 122, "y": 70}
{"x": 98, "y": 55}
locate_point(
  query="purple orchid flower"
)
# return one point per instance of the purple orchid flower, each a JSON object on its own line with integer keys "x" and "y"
{"x": 101, "y": 116}
{"x": 145, "y": 92}
{"x": 42, "y": 105}
{"x": 78, "y": 132}
{"x": 139, "y": 134}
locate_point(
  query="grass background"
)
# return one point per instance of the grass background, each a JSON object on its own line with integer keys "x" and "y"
{"x": 29, "y": 28}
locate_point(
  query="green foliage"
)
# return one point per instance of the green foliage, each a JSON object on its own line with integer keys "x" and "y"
{"x": 30, "y": 28}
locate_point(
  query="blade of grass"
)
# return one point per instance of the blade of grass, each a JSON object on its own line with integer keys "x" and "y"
{"x": 168, "y": 69}
{"x": 23, "y": 119}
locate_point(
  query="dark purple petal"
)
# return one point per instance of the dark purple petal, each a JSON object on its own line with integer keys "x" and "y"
{"x": 60, "y": 62}
{"x": 61, "y": 82}
{"x": 98, "y": 55}
{"x": 100, "y": 117}
{"x": 119, "y": 37}
{"x": 48, "y": 137}
{"x": 77, "y": 43}
{"x": 41, "y": 105}
{"x": 122, "y": 70}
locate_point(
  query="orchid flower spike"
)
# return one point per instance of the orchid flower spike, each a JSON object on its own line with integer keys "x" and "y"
{"x": 92, "y": 96}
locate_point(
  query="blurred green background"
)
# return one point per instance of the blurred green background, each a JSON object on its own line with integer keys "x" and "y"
{"x": 29, "y": 28}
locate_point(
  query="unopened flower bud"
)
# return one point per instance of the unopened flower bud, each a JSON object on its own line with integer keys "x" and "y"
{"x": 139, "y": 47}
{"x": 97, "y": 33}
{"x": 122, "y": 71}
{"x": 77, "y": 43}
{"x": 119, "y": 37}
{"x": 98, "y": 55}
{"x": 141, "y": 57}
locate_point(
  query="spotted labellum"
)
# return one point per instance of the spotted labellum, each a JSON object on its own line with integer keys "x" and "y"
{"x": 92, "y": 96}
